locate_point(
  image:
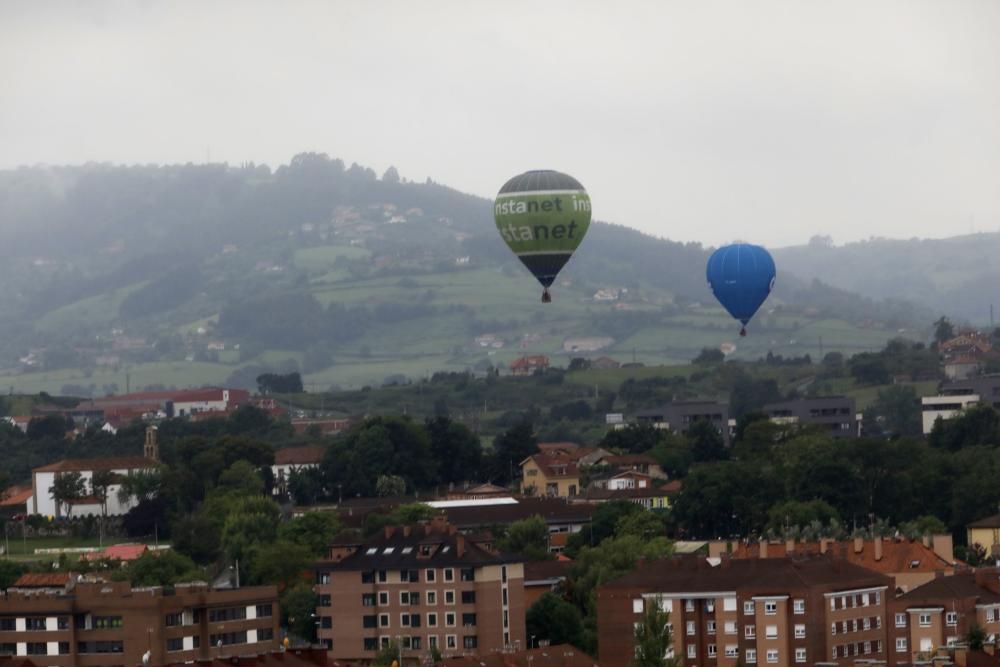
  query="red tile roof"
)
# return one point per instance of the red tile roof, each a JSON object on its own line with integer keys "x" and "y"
{"x": 42, "y": 580}
{"x": 897, "y": 556}
{"x": 117, "y": 463}
{"x": 15, "y": 495}
{"x": 299, "y": 455}
{"x": 556, "y": 465}
{"x": 122, "y": 552}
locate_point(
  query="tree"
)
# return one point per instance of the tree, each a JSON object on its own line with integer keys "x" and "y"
{"x": 653, "y": 640}
{"x": 162, "y": 569}
{"x": 50, "y": 426}
{"x": 897, "y": 409}
{"x": 387, "y": 655}
{"x": 100, "y": 482}
{"x": 527, "y": 537}
{"x": 644, "y": 524}
{"x": 198, "y": 537}
{"x": 274, "y": 383}
{"x": 456, "y": 449}
{"x": 66, "y": 488}
{"x": 140, "y": 485}
{"x": 242, "y": 477}
{"x": 799, "y": 514}
{"x": 391, "y": 175}
{"x": 975, "y": 637}
{"x": 305, "y": 485}
{"x": 923, "y": 526}
{"x": 709, "y": 355}
{"x": 10, "y": 571}
{"x": 553, "y": 618}
{"x": 510, "y": 448}
{"x": 943, "y": 330}
{"x": 312, "y": 530}
{"x": 634, "y": 438}
{"x": 252, "y": 523}
{"x": 282, "y": 563}
{"x": 706, "y": 442}
{"x": 387, "y": 486}
{"x": 298, "y": 604}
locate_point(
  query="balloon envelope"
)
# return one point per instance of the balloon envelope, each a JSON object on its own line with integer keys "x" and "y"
{"x": 741, "y": 277}
{"x": 542, "y": 216}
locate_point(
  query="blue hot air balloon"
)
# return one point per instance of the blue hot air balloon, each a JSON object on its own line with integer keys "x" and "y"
{"x": 741, "y": 276}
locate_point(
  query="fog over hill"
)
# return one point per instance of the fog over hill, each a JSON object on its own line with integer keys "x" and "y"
{"x": 351, "y": 276}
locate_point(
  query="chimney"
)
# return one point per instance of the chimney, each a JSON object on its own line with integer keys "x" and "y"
{"x": 151, "y": 450}
{"x": 762, "y": 546}
{"x": 961, "y": 656}
{"x": 459, "y": 546}
{"x": 878, "y": 547}
{"x": 406, "y": 531}
{"x": 859, "y": 544}
{"x": 389, "y": 531}
{"x": 927, "y": 541}
{"x": 716, "y": 548}
{"x": 789, "y": 547}
{"x": 824, "y": 544}
{"x": 944, "y": 547}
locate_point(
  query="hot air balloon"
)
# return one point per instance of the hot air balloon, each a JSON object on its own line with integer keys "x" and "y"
{"x": 741, "y": 276}
{"x": 542, "y": 216}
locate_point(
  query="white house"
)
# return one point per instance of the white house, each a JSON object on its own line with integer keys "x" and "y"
{"x": 42, "y": 479}
{"x": 945, "y": 407}
{"x": 293, "y": 459}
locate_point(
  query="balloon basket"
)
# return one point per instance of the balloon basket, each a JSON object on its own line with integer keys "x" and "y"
{"x": 546, "y": 297}
{"x": 743, "y": 332}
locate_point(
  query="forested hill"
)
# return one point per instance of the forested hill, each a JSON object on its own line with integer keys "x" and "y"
{"x": 192, "y": 274}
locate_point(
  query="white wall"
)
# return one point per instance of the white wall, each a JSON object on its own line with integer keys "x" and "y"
{"x": 45, "y": 505}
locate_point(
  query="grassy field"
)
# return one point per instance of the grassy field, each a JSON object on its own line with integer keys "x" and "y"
{"x": 323, "y": 258}
{"x": 101, "y": 309}
{"x": 24, "y": 550}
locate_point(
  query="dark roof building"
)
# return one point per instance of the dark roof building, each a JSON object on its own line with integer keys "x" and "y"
{"x": 834, "y": 414}
{"x": 680, "y": 415}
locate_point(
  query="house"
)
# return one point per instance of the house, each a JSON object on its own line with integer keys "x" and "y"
{"x": 985, "y": 533}
{"x": 72, "y": 622}
{"x": 910, "y": 563}
{"x": 479, "y": 491}
{"x": 726, "y": 612}
{"x": 173, "y": 403}
{"x": 656, "y": 497}
{"x": 587, "y": 344}
{"x": 525, "y": 366}
{"x": 962, "y": 355}
{"x": 642, "y": 463}
{"x": 940, "y": 613}
{"x": 604, "y": 363}
{"x": 293, "y": 459}
{"x": 584, "y": 456}
{"x": 551, "y": 475}
{"x": 544, "y": 576}
{"x": 19, "y": 422}
{"x": 427, "y": 585}
{"x": 835, "y": 415}
{"x": 680, "y": 415}
{"x": 14, "y": 500}
{"x": 944, "y": 407}
{"x": 42, "y": 479}
{"x": 957, "y": 395}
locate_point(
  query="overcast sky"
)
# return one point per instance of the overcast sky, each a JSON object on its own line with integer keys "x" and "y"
{"x": 698, "y": 121}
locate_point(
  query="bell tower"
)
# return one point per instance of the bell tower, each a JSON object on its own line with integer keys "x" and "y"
{"x": 151, "y": 450}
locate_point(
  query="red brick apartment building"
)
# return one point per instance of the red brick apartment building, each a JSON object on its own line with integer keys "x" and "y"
{"x": 422, "y": 586}
{"x": 774, "y": 612}
{"x": 940, "y": 614}
{"x": 91, "y": 623}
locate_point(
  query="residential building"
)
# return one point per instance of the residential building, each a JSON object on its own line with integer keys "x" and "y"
{"x": 551, "y": 475}
{"x": 910, "y": 563}
{"x": 773, "y": 611}
{"x": 558, "y": 655}
{"x": 424, "y": 586}
{"x": 657, "y": 496}
{"x": 944, "y": 407}
{"x": 958, "y": 395}
{"x": 641, "y": 463}
{"x": 87, "y": 622}
{"x": 172, "y": 403}
{"x": 835, "y": 415}
{"x": 525, "y": 366}
{"x": 962, "y": 355}
{"x": 478, "y": 492}
{"x": 294, "y": 459}
{"x": 680, "y": 415}
{"x": 985, "y": 533}
{"x": 562, "y": 517}
{"x": 941, "y": 612}
{"x": 584, "y": 456}
{"x": 290, "y": 657}
{"x": 544, "y": 576}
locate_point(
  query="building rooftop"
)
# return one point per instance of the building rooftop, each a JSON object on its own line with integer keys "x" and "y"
{"x": 299, "y": 455}
{"x": 553, "y": 510}
{"x": 116, "y": 463}
{"x": 897, "y": 555}
{"x": 957, "y": 586}
{"x": 988, "y": 522}
{"x": 43, "y": 580}
{"x": 15, "y": 495}
{"x": 121, "y": 552}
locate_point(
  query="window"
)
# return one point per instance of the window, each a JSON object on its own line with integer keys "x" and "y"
{"x": 8, "y": 625}
{"x": 901, "y": 620}
{"x": 770, "y": 607}
{"x": 324, "y": 578}
{"x": 371, "y": 643}
{"x": 750, "y": 631}
{"x": 414, "y": 620}
{"x": 728, "y": 604}
{"x": 369, "y": 621}
{"x": 37, "y": 648}
{"x": 799, "y": 607}
{"x": 800, "y": 630}
{"x": 800, "y": 655}
{"x": 732, "y": 651}
{"x": 692, "y": 651}
{"x": 751, "y": 656}
{"x": 470, "y": 642}
{"x": 867, "y": 648}
{"x": 710, "y": 627}
{"x": 264, "y": 611}
{"x": 771, "y": 632}
{"x": 415, "y": 643}
{"x": 449, "y": 597}
{"x": 432, "y": 597}
{"x": 175, "y": 644}
{"x": 383, "y": 620}
{"x": 866, "y": 624}
{"x": 324, "y": 600}
{"x": 383, "y": 598}
{"x": 690, "y": 628}
{"x": 432, "y": 641}
{"x": 710, "y": 606}
{"x": 383, "y": 576}
{"x": 925, "y": 620}
{"x": 772, "y": 655}
{"x": 712, "y": 651}
{"x": 220, "y": 615}
{"x": 503, "y": 574}
{"x": 367, "y": 599}
{"x": 748, "y": 607}
{"x": 900, "y": 644}
{"x": 267, "y": 634}
{"x": 411, "y": 576}
{"x": 468, "y": 574}
{"x": 404, "y": 620}
{"x": 730, "y": 627}
{"x": 404, "y": 597}
{"x": 468, "y": 597}
{"x": 951, "y": 618}
{"x": 468, "y": 620}
{"x": 689, "y": 605}
{"x": 450, "y": 641}
{"x": 504, "y": 596}
{"x": 228, "y": 638}
{"x": 449, "y": 619}
{"x": 430, "y": 576}
{"x": 34, "y": 624}
{"x": 173, "y": 620}
{"x": 449, "y": 574}
{"x": 990, "y": 615}
{"x": 63, "y": 648}
{"x": 833, "y": 628}
{"x": 637, "y": 606}
{"x": 108, "y": 622}
{"x": 432, "y": 620}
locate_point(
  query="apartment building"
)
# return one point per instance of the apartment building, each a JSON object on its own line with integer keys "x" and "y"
{"x": 940, "y": 613}
{"x": 422, "y": 586}
{"x": 835, "y": 415}
{"x": 777, "y": 612}
{"x": 91, "y": 623}
{"x": 680, "y": 415}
